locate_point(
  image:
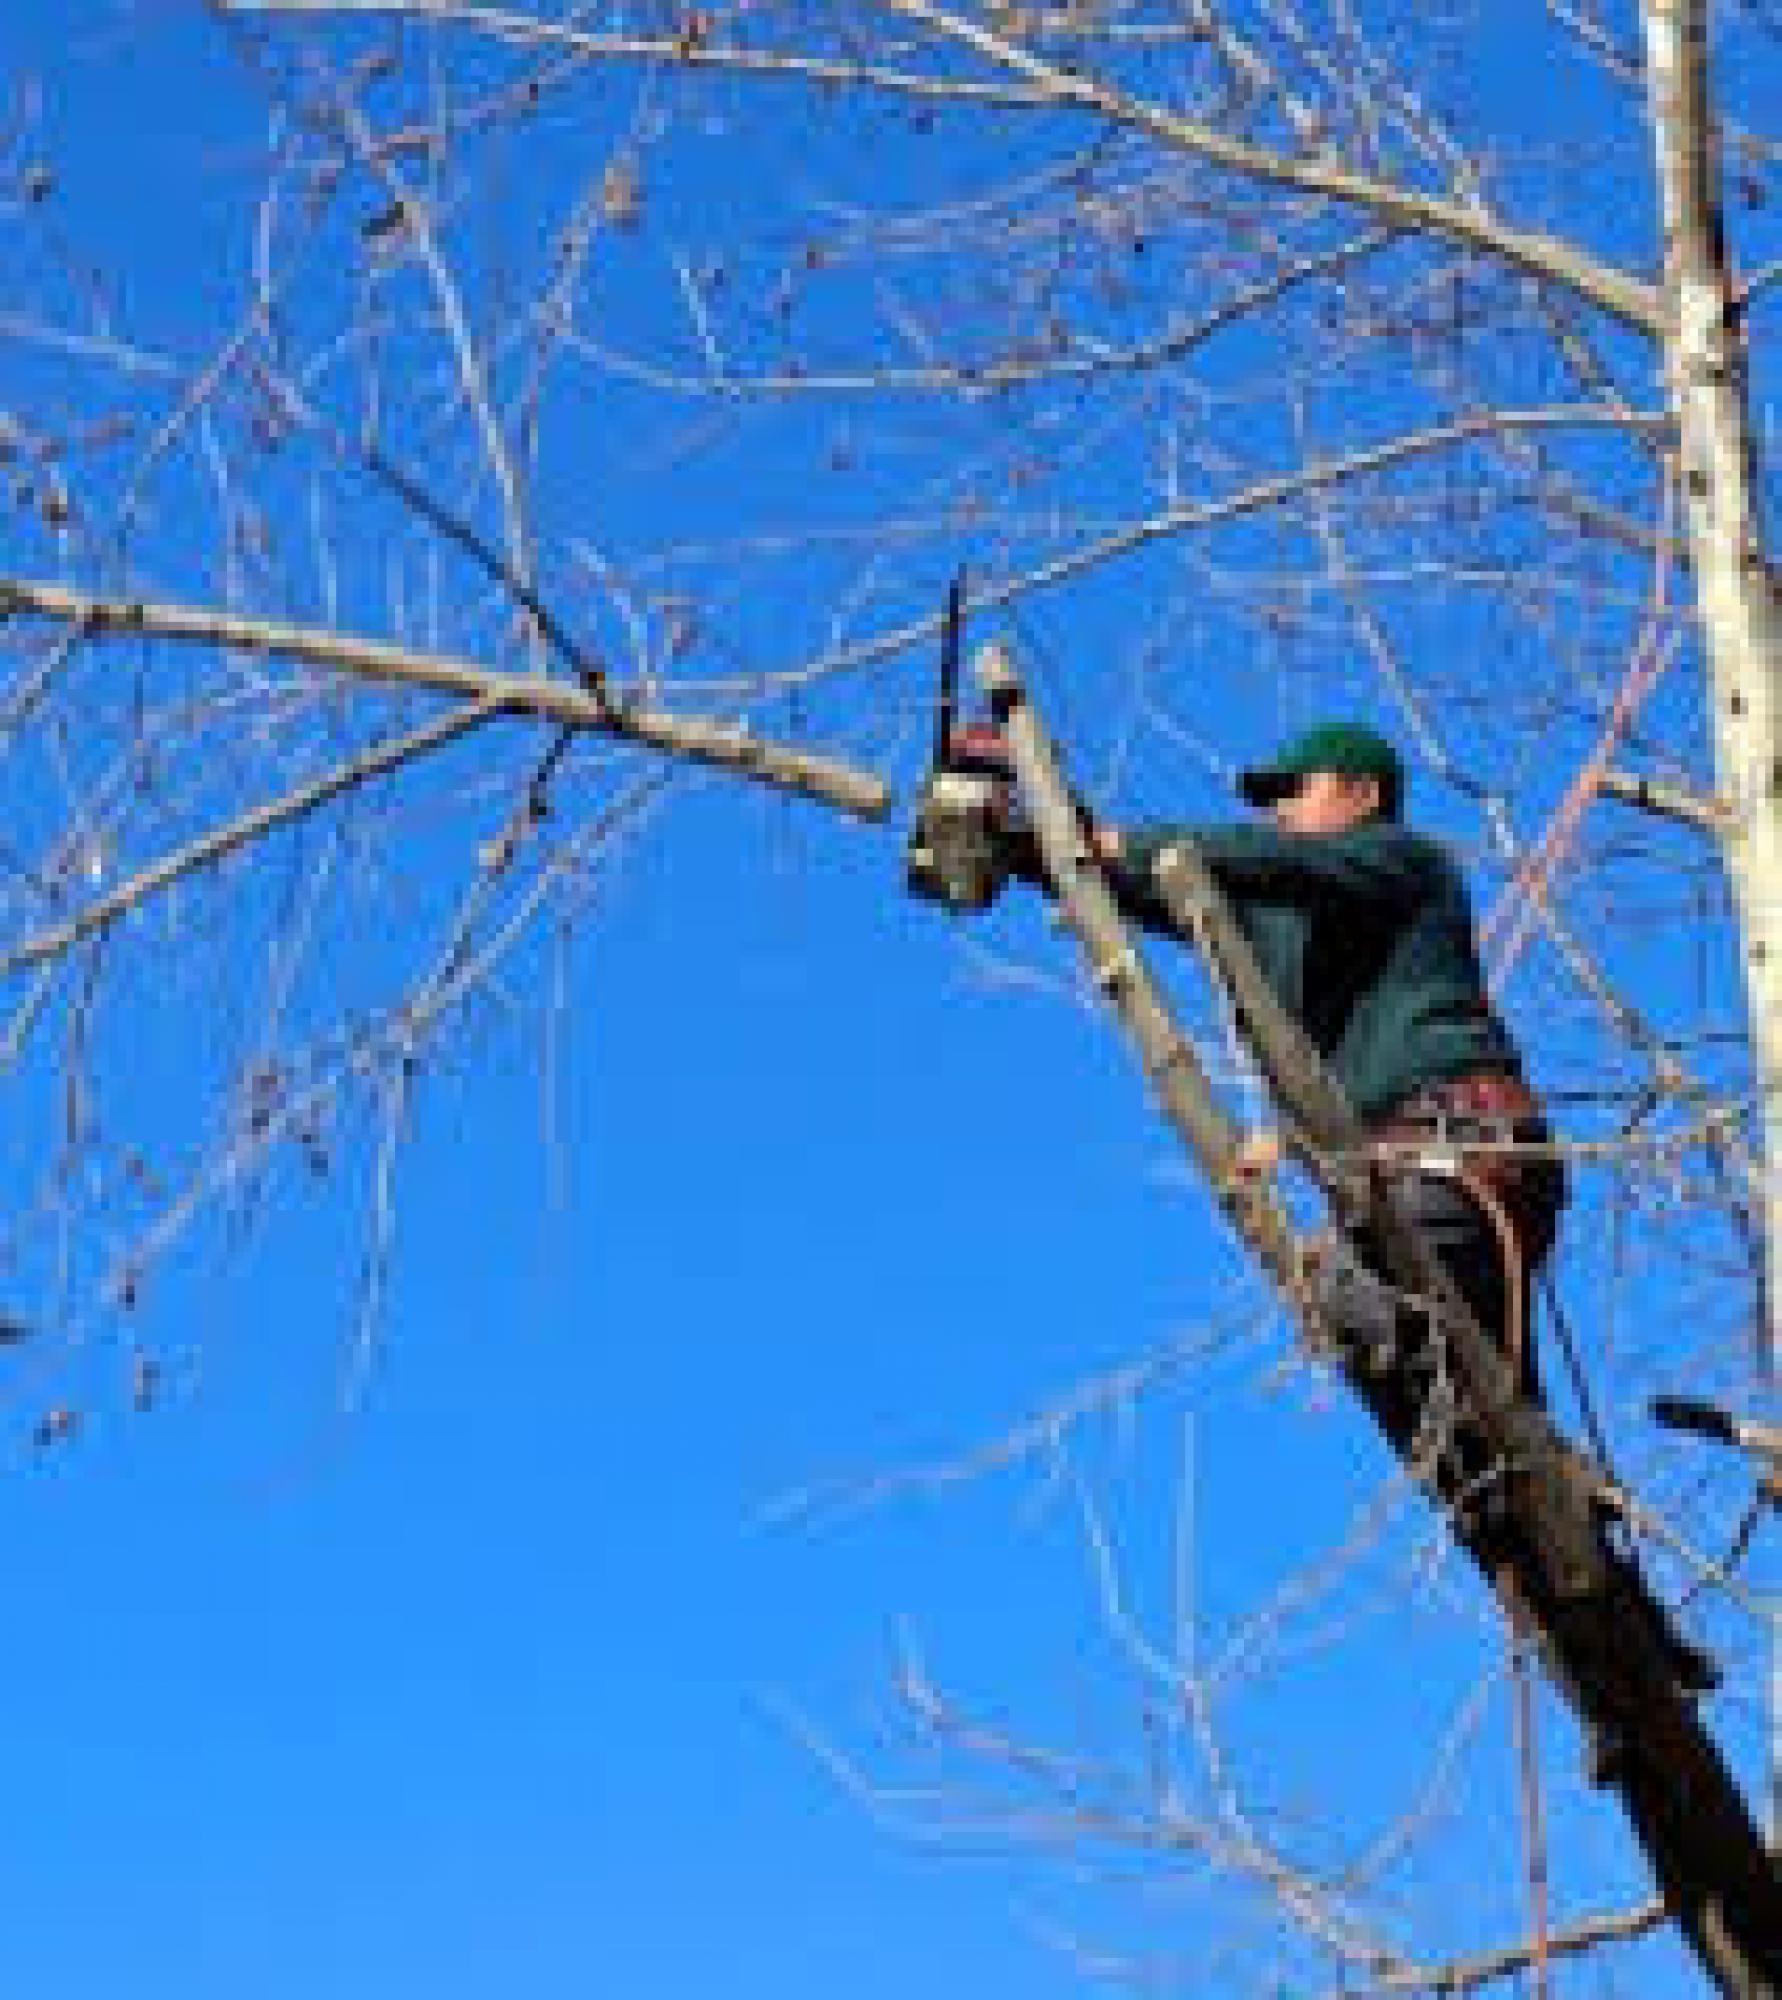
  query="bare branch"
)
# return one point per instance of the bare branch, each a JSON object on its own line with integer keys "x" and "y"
{"x": 1611, "y": 290}
{"x": 1668, "y": 801}
{"x": 1469, "y": 1975}
{"x": 1198, "y": 516}
{"x": 691, "y": 53}
{"x": 998, "y": 376}
{"x": 378, "y": 762}
{"x": 701, "y": 740}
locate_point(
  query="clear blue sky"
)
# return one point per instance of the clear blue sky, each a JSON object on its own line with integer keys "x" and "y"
{"x": 490, "y": 1686}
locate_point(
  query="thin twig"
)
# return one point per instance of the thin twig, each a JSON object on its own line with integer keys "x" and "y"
{"x": 1468, "y": 1975}
{"x": 216, "y": 845}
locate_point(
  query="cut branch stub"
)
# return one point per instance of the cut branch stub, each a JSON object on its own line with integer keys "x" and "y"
{"x": 1169, "y": 1059}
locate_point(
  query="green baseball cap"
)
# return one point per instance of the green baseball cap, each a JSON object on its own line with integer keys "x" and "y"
{"x": 1347, "y": 748}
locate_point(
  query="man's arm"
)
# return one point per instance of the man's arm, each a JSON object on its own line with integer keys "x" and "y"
{"x": 1380, "y": 863}
{"x": 1132, "y": 887}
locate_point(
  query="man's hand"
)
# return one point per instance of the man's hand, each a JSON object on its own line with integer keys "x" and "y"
{"x": 982, "y": 747}
{"x": 1259, "y": 1154}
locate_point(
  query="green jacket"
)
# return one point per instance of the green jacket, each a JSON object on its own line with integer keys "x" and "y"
{"x": 1365, "y": 936}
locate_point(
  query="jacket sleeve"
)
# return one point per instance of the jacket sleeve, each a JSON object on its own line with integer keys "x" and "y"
{"x": 1381, "y": 864}
{"x": 1131, "y": 885}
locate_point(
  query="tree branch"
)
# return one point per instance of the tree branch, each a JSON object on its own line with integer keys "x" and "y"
{"x": 993, "y": 377}
{"x": 1171, "y": 1064}
{"x": 701, "y": 740}
{"x": 1049, "y": 86}
{"x": 1667, "y": 801}
{"x": 379, "y": 761}
{"x": 1196, "y": 516}
{"x": 687, "y": 52}
{"x": 1468, "y": 1975}
{"x": 1610, "y": 289}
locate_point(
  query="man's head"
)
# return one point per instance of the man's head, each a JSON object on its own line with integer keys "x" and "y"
{"x": 1329, "y": 780}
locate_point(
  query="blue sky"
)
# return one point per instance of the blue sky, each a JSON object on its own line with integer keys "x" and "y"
{"x": 500, "y": 1681}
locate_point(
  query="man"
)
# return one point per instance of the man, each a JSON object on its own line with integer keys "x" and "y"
{"x": 1363, "y": 929}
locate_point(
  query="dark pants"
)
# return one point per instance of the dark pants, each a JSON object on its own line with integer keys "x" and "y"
{"x": 1397, "y": 1338}
{"x": 1398, "y": 1356}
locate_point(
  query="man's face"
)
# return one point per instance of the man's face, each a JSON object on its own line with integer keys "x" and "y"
{"x": 1324, "y": 802}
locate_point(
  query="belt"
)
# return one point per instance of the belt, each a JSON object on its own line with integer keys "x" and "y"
{"x": 1471, "y": 1127}
{"x": 1486, "y": 1108}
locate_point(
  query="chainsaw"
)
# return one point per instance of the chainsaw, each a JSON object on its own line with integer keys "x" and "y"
{"x": 957, "y": 854}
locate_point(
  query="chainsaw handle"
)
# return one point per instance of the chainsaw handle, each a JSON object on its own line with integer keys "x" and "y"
{"x": 951, "y": 639}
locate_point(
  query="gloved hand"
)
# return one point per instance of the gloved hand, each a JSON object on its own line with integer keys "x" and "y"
{"x": 983, "y": 748}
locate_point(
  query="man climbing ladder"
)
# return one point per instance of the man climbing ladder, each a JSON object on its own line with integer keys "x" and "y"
{"x": 1543, "y": 1524}
{"x": 1363, "y": 930}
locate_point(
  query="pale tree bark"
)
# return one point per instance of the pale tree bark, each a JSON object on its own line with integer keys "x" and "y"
{"x": 1734, "y": 579}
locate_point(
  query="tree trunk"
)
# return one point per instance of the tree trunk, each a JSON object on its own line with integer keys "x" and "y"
{"x": 1735, "y": 589}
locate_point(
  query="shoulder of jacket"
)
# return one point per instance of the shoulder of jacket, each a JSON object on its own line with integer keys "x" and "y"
{"x": 1393, "y": 837}
{"x": 1436, "y": 858}
{"x": 1415, "y": 856}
